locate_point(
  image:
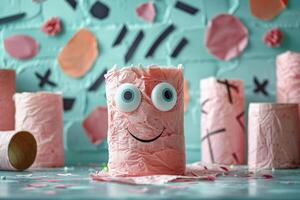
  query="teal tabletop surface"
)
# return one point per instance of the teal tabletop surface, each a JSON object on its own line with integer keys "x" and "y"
{"x": 74, "y": 183}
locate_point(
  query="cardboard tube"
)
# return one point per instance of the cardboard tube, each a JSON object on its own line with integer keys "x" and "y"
{"x": 273, "y": 136}
{"x": 41, "y": 114}
{"x": 288, "y": 79}
{"x": 7, "y": 106}
{"x": 147, "y": 139}
{"x": 18, "y": 150}
{"x": 222, "y": 121}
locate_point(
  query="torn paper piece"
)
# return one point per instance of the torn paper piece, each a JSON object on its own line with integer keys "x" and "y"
{"x": 95, "y": 125}
{"x": 146, "y": 11}
{"x": 267, "y": 9}
{"x": 21, "y": 47}
{"x": 79, "y": 54}
{"x": 52, "y": 26}
{"x": 226, "y": 37}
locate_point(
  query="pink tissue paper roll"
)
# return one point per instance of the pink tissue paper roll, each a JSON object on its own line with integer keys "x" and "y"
{"x": 288, "y": 79}
{"x": 273, "y": 136}
{"x": 146, "y": 140}
{"x": 222, "y": 121}
{"x": 7, "y": 106}
{"x": 41, "y": 114}
{"x": 17, "y": 150}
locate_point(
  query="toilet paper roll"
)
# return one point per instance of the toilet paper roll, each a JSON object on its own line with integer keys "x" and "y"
{"x": 288, "y": 79}
{"x": 222, "y": 121}
{"x": 273, "y": 133}
{"x": 41, "y": 114}
{"x": 7, "y": 106}
{"x": 18, "y": 150}
{"x": 145, "y": 121}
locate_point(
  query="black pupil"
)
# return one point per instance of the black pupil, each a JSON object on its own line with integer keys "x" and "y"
{"x": 168, "y": 94}
{"x": 128, "y": 95}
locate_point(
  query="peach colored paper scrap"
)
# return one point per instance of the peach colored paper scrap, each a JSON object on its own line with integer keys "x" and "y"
{"x": 267, "y": 9}
{"x": 79, "y": 54}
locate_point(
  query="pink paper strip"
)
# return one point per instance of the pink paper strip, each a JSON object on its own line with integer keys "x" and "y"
{"x": 17, "y": 150}
{"x": 222, "y": 121}
{"x": 41, "y": 114}
{"x": 95, "y": 125}
{"x": 127, "y": 155}
{"x": 288, "y": 79}
{"x": 7, "y": 106}
{"x": 273, "y": 136}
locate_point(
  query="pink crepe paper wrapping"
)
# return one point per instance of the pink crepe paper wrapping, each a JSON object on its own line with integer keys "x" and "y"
{"x": 17, "y": 150}
{"x": 222, "y": 121}
{"x": 288, "y": 78}
{"x": 226, "y": 37}
{"x": 273, "y": 136}
{"x": 52, "y": 26}
{"x": 41, "y": 114}
{"x": 95, "y": 125}
{"x": 194, "y": 172}
{"x": 7, "y": 106}
{"x": 130, "y": 157}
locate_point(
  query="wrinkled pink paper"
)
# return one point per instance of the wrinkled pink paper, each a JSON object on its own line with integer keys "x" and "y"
{"x": 95, "y": 125}
{"x": 194, "y": 172}
{"x": 129, "y": 157}
{"x": 146, "y": 11}
{"x": 41, "y": 114}
{"x": 273, "y": 136}
{"x": 225, "y": 117}
{"x": 226, "y": 37}
{"x": 288, "y": 79}
{"x": 7, "y": 105}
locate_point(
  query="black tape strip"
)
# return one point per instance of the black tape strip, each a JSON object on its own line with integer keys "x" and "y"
{"x": 238, "y": 118}
{"x": 160, "y": 39}
{"x": 121, "y": 36}
{"x": 98, "y": 81}
{"x": 186, "y": 8}
{"x": 68, "y": 103}
{"x": 45, "y": 79}
{"x": 134, "y": 46}
{"x": 183, "y": 42}
{"x": 72, "y": 3}
{"x": 12, "y": 18}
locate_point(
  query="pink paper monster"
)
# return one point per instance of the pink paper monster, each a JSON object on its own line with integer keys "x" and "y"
{"x": 145, "y": 121}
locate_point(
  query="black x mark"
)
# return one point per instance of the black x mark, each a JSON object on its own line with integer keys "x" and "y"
{"x": 238, "y": 118}
{"x": 209, "y": 142}
{"x": 260, "y": 87}
{"x": 45, "y": 79}
{"x": 228, "y": 87}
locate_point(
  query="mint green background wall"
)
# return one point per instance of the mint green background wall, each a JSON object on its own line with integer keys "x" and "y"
{"x": 257, "y": 60}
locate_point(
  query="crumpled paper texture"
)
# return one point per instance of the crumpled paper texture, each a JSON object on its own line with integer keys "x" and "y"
{"x": 7, "y": 105}
{"x": 222, "y": 121}
{"x": 129, "y": 157}
{"x": 288, "y": 79}
{"x": 273, "y": 136}
{"x": 194, "y": 172}
{"x": 41, "y": 114}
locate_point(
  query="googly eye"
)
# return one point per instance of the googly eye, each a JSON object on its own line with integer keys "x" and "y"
{"x": 164, "y": 96}
{"x": 128, "y": 97}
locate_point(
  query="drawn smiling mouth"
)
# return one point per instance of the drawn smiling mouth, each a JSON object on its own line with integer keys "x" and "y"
{"x": 144, "y": 140}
